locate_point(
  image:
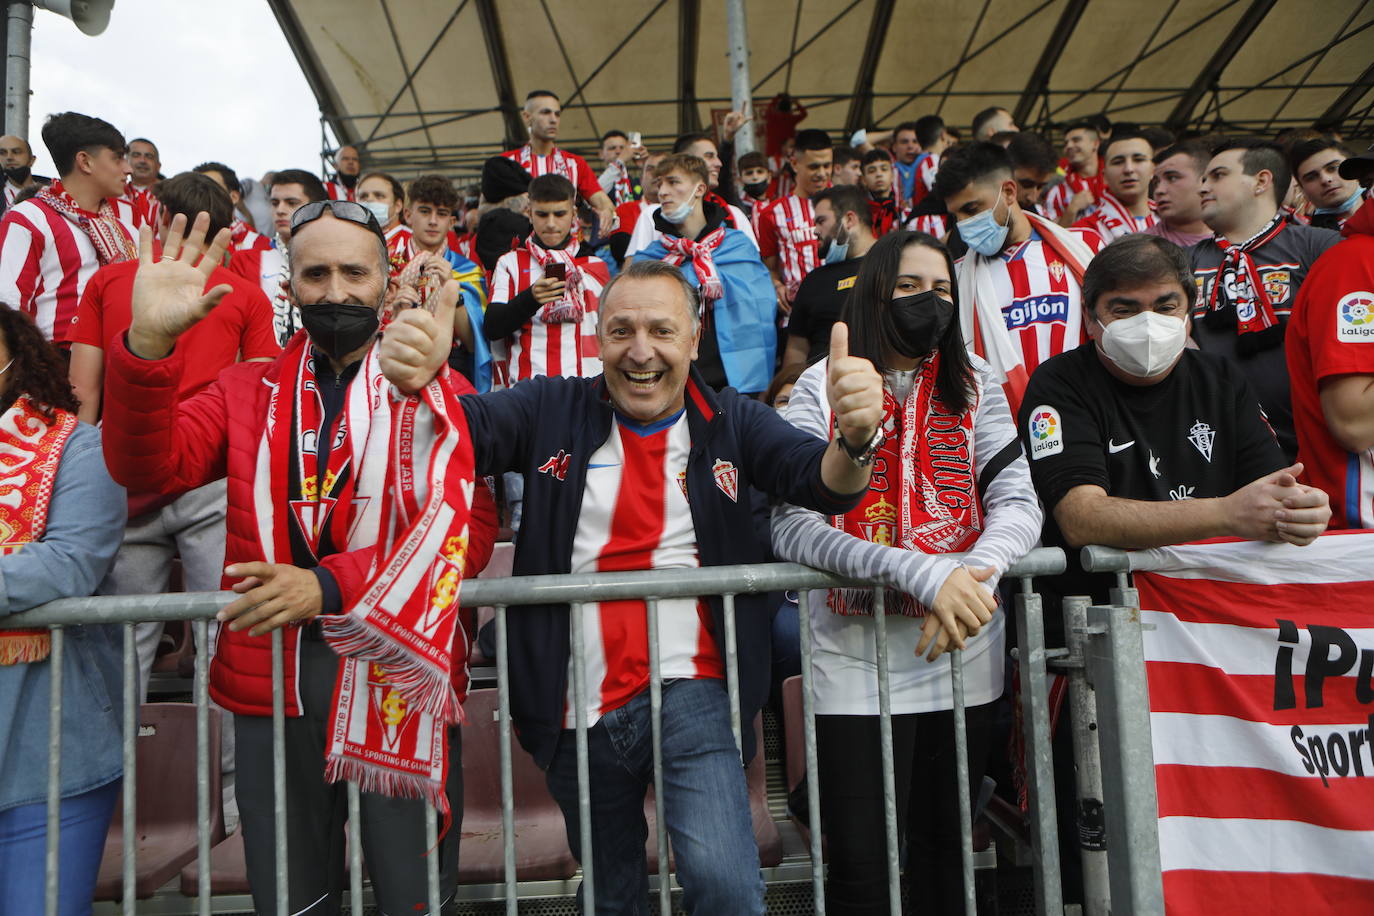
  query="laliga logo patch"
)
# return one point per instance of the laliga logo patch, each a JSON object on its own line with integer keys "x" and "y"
{"x": 727, "y": 478}
{"x": 1046, "y": 432}
{"x": 1355, "y": 318}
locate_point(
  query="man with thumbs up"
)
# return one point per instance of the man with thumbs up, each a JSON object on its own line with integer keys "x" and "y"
{"x": 304, "y": 442}
{"x": 645, "y": 467}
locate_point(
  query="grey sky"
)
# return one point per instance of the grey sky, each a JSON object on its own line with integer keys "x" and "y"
{"x": 201, "y": 79}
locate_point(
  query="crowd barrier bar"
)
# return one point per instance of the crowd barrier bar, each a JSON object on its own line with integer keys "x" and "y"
{"x": 578, "y": 591}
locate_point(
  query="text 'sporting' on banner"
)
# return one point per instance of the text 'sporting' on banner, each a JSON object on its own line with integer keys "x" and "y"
{"x": 1261, "y": 670}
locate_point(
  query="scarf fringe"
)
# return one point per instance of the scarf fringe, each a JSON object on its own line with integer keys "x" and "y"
{"x": 380, "y": 780}
{"x": 421, "y": 683}
{"x": 858, "y": 602}
{"x": 22, "y": 647}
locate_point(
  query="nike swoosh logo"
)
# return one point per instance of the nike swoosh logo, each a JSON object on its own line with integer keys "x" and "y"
{"x": 1114, "y": 448}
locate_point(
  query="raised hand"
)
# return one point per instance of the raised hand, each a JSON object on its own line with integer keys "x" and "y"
{"x": 854, "y": 389}
{"x": 169, "y": 294}
{"x": 732, "y": 122}
{"x": 416, "y": 343}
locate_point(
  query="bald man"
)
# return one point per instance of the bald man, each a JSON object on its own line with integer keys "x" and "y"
{"x": 17, "y": 158}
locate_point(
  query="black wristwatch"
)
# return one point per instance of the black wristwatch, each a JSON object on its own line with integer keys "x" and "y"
{"x": 861, "y": 457}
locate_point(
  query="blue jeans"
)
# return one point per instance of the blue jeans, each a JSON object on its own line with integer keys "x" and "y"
{"x": 23, "y": 852}
{"x": 705, "y": 801}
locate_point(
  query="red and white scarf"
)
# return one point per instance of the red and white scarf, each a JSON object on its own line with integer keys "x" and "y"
{"x": 1117, "y": 220}
{"x": 622, "y": 191}
{"x": 111, "y": 240}
{"x": 30, "y": 452}
{"x": 572, "y": 305}
{"x": 703, "y": 260}
{"x": 400, "y": 477}
{"x": 927, "y": 466}
{"x": 1237, "y": 283}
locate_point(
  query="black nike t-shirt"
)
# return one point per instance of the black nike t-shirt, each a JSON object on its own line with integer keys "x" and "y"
{"x": 1200, "y": 433}
{"x": 818, "y": 302}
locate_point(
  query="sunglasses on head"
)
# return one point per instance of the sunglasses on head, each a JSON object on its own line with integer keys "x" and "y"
{"x": 340, "y": 209}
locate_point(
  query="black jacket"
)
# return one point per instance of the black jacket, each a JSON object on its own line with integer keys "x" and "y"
{"x": 522, "y": 428}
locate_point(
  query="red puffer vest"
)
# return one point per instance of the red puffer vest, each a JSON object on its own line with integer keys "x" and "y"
{"x": 155, "y": 444}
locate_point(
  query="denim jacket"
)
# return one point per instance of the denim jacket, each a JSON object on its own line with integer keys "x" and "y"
{"x": 85, "y": 528}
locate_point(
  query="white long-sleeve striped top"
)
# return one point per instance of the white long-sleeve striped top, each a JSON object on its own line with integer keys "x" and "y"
{"x": 844, "y": 658}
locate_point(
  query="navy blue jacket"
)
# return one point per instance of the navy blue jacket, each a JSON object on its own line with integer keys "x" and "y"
{"x": 561, "y": 422}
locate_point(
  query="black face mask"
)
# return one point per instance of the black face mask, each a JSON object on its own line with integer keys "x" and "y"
{"x": 18, "y": 175}
{"x": 348, "y": 181}
{"x": 916, "y": 323}
{"x": 756, "y": 188}
{"x": 339, "y": 328}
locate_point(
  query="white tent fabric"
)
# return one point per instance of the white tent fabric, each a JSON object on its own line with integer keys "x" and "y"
{"x": 425, "y": 84}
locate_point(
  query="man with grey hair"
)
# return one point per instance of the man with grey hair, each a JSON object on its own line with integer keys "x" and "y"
{"x": 543, "y": 113}
{"x": 645, "y": 467}
{"x": 303, "y": 530}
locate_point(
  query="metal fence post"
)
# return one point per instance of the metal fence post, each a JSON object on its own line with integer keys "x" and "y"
{"x": 130, "y": 788}
{"x": 886, "y": 754}
{"x": 1092, "y": 838}
{"x": 665, "y": 890}
{"x": 279, "y": 771}
{"x": 54, "y": 770}
{"x": 202, "y": 689}
{"x": 813, "y": 787}
{"x": 584, "y": 785}
{"x": 1035, "y": 724}
{"x": 507, "y": 776}
{"x": 961, "y": 786}
{"x": 1117, "y": 666}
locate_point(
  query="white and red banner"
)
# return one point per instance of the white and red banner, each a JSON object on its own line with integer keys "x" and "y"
{"x": 1261, "y": 671}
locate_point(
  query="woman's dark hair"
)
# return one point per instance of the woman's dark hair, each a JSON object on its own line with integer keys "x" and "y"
{"x": 785, "y": 377}
{"x": 37, "y": 370}
{"x": 865, "y": 311}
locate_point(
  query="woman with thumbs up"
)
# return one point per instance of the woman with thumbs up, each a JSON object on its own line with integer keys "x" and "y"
{"x": 949, "y": 508}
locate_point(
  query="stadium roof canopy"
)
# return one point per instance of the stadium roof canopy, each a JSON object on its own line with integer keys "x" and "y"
{"x": 425, "y": 84}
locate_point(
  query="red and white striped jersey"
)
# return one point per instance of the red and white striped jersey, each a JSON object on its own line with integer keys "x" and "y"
{"x": 245, "y": 239}
{"x": 147, "y": 208}
{"x": 1042, "y": 303}
{"x": 11, "y": 192}
{"x": 635, "y": 515}
{"x": 788, "y": 231}
{"x": 337, "y": 190}
{"x": 1057, "y": 200}
{"x": 559, "y": 162}
{"x": 268, "y": 268}
{"x": 539, "y": 348}
{"x": 925, "y": 177}
{"x": 1111, "y": 219}
{"x": 46, "y": 261}
{"x": 936, "y": 224}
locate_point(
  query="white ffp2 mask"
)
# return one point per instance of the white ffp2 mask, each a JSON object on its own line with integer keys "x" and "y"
{"x": 1145, "y": 344}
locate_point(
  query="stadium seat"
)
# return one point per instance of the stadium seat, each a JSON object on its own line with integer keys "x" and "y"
{"x": 765, "y": 830}
{"x": 541, "y": 846}
{"x": 166, "y": 818}
{"x": 228, "y": 869}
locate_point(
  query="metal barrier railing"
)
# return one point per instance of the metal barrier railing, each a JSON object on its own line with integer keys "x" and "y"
{"x": 651, "y": 586}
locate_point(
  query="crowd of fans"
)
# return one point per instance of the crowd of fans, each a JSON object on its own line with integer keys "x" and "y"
{"x": 866, "y": 355}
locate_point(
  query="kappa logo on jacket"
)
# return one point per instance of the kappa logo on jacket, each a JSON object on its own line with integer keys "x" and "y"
{"x": 557, "y": 465}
